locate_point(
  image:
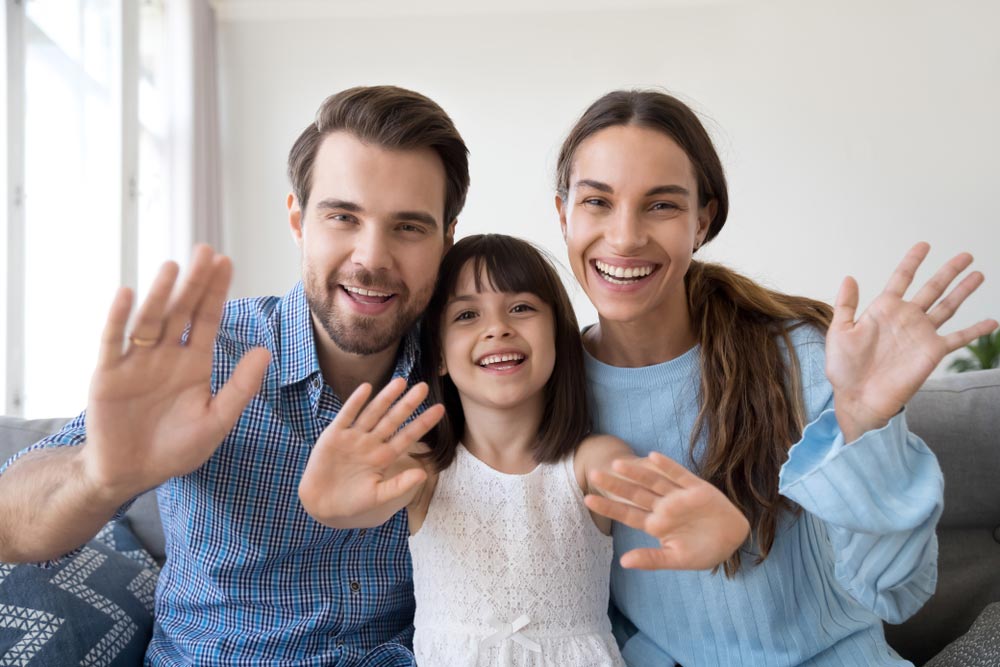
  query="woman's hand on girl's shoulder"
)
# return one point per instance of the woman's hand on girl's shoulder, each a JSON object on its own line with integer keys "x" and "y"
{"x": 878, "y": 361}
{"x": 696, "y": 526}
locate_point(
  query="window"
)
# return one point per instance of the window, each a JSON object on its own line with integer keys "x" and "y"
{"x": 79, "y": 196}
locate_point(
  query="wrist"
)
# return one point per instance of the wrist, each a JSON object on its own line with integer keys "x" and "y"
{"x": 855, "y": 420}
{"x": 106, "y": 491}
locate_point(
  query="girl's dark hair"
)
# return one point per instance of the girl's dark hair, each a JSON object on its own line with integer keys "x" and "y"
{"x": 751, "y": 404}
{"x": 506, "y": 264}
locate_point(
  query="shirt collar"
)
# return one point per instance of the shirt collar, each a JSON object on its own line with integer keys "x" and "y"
{"x": 298, "y": 346}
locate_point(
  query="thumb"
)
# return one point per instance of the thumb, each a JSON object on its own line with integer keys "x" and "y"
{"x": 241, "y": 387}
{"x": 846, "y": 305}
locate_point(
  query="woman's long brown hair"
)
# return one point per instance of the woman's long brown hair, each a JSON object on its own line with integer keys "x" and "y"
{"x": 751, "y": 402}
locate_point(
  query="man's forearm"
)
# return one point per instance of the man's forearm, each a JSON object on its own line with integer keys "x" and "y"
{"x": 48, "y": 507}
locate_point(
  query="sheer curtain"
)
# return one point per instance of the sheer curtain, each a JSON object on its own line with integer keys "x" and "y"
{"x": 195, "y": 170}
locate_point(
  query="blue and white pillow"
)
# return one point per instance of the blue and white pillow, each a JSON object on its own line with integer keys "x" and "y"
{"x": 93, "y": 608}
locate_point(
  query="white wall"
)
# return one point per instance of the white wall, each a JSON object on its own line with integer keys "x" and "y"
{"x": 849, "y": 129}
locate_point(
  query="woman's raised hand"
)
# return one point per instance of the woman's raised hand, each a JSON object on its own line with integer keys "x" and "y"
{"x": 696, "y": 525}
{"x": 877, "y": 361}
{"x": 151, "y": 414}
{"x": 353, "y": 471}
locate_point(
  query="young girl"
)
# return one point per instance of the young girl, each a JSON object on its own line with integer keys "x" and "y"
{"x": 703, "y": 365}
{"x": 509, "y": 565}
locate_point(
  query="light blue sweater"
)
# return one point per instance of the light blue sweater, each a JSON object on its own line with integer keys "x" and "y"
{"x": 863, "y": 549}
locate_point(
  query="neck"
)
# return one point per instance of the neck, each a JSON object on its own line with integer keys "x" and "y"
{"x": 503, "y": 438}
{"x": 345, "y": 371}
{"x": 651, "y": 339}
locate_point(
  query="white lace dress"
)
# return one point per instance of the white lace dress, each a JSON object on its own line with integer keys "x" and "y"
{"x": 511, "y": 570}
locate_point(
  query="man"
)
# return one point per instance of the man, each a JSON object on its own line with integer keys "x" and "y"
{"x": 223, "y": 423}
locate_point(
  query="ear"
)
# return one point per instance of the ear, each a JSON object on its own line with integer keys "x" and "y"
{"x": 449, "y": 235}
{"x": 561, "y": 210}
{"x": 294, "y": 218}
{"x": 706, "y": 214}
{"x": 442, "y": 367}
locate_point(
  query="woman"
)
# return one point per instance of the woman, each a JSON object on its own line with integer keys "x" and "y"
{"x": 707, "y": 367}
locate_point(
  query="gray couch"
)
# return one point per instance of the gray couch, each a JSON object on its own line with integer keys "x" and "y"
{"x": 959, "y": 418}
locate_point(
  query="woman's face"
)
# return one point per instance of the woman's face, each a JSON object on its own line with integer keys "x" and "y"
{"x": 631, "y": 221}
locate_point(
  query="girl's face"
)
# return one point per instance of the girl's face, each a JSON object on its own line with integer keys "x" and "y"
{"x": 631, "y": 220}
{"x": 498, "y": 347}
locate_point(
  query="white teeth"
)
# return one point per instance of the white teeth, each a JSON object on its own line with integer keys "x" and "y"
{"x": 500, "y": 358}
{"x": 366, "y": 292}
{"x": 622, "y": 272}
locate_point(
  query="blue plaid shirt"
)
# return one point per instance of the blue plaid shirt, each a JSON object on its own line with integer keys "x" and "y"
{"x": 250, "y": 578}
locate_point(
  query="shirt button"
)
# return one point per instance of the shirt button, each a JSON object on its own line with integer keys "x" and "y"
{"x": 355, "y": 586}
{"x": 362, "y": 532}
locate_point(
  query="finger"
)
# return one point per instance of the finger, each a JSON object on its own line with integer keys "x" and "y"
{"x": 378, "y": 406}
{"x": 400, "y": 485}
{"x": 617, "y": 511}
{"x": 192, "y": 289}
{"x": 671, "y": 469}
{"x": 401, "y": 410}
{"x": 902, "y": 277}
{"x": 639, "y": 473}
{"x": 243, "y": 385}
{"x": 113, "y": 336}
{"x": 845, "y": 306}
{"x": 960, "y": 339}
{"x": 351, "y": 407}
{"x": 208, "y": 312}
{"x": 416, "y": 429}
{"x": 624, "y": 489}
{"x": 148, "y": 323}
{"x": 942, "y": 312}
{"x": 651, "y": 559}
{"x": 935, "y": 287}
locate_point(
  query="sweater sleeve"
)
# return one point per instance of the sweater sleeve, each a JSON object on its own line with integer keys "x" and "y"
{"x": 880, "y": 498}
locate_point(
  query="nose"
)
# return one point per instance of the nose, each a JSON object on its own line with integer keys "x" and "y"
{"x": 497, "y": 328}
{"x": 371, "y": 249}
{"x": 625, "y": 232}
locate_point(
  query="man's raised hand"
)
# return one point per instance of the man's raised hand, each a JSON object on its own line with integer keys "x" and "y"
{"x": 151, "y": 414}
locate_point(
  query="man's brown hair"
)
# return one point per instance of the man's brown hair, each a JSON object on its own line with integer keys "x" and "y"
{"x": 392, "y": 118}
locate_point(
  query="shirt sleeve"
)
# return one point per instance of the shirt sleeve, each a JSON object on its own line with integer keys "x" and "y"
{"x": 880, "y": 498}
{"x": 71, "y": 435}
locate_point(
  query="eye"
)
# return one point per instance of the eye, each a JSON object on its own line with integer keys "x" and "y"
{"x": 465, "y": 315}
{"x": 664, "y": 206}
{"x": 523, "y": 308}
{"x": 411, "y": 228}
{"x": 342, "y": 217}
{"x": 595, "y": 202}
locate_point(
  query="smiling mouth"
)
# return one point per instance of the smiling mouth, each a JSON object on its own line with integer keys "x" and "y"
{"x": 364, "y": 295}
{"x": 501, "y": 361}
{"x": 621, "y": 275}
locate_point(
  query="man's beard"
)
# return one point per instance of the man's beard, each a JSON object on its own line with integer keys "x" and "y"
{"x": 361, "y": 334}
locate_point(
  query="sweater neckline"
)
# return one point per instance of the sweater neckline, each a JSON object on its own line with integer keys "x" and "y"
{"x": 675, "y": 371}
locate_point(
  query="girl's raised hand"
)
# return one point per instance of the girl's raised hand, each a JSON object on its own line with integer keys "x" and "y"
{"x": 696, "y": 525}
{"x": 357, "y": 475}
{"x": 879, "y": 360}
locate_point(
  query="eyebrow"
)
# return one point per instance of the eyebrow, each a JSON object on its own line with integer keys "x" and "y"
{"x": 658, "y": 190}
{"x": 344, "y": 205}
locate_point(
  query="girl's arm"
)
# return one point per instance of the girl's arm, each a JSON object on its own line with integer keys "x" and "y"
{"x": 696, "y": 526}
{"x": 361, "y": 470}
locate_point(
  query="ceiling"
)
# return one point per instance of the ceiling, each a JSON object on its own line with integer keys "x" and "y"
{"x": 268, "y": 10}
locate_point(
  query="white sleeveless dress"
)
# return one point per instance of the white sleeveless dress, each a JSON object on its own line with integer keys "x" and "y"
{"x": 510, "y": 570}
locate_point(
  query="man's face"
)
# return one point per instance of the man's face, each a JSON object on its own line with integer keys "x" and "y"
{"x": 372, "y": 237}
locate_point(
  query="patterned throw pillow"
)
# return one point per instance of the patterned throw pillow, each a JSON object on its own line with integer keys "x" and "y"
{"x": 979, "y": 647}
{"x": 94, "y": 608}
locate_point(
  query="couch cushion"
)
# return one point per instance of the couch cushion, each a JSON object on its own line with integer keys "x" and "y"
{"x": 144, "y": 515}
{"x": 95, "y": 607}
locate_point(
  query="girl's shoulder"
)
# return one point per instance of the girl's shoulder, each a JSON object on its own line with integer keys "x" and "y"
{"x": 598, "y": 451}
